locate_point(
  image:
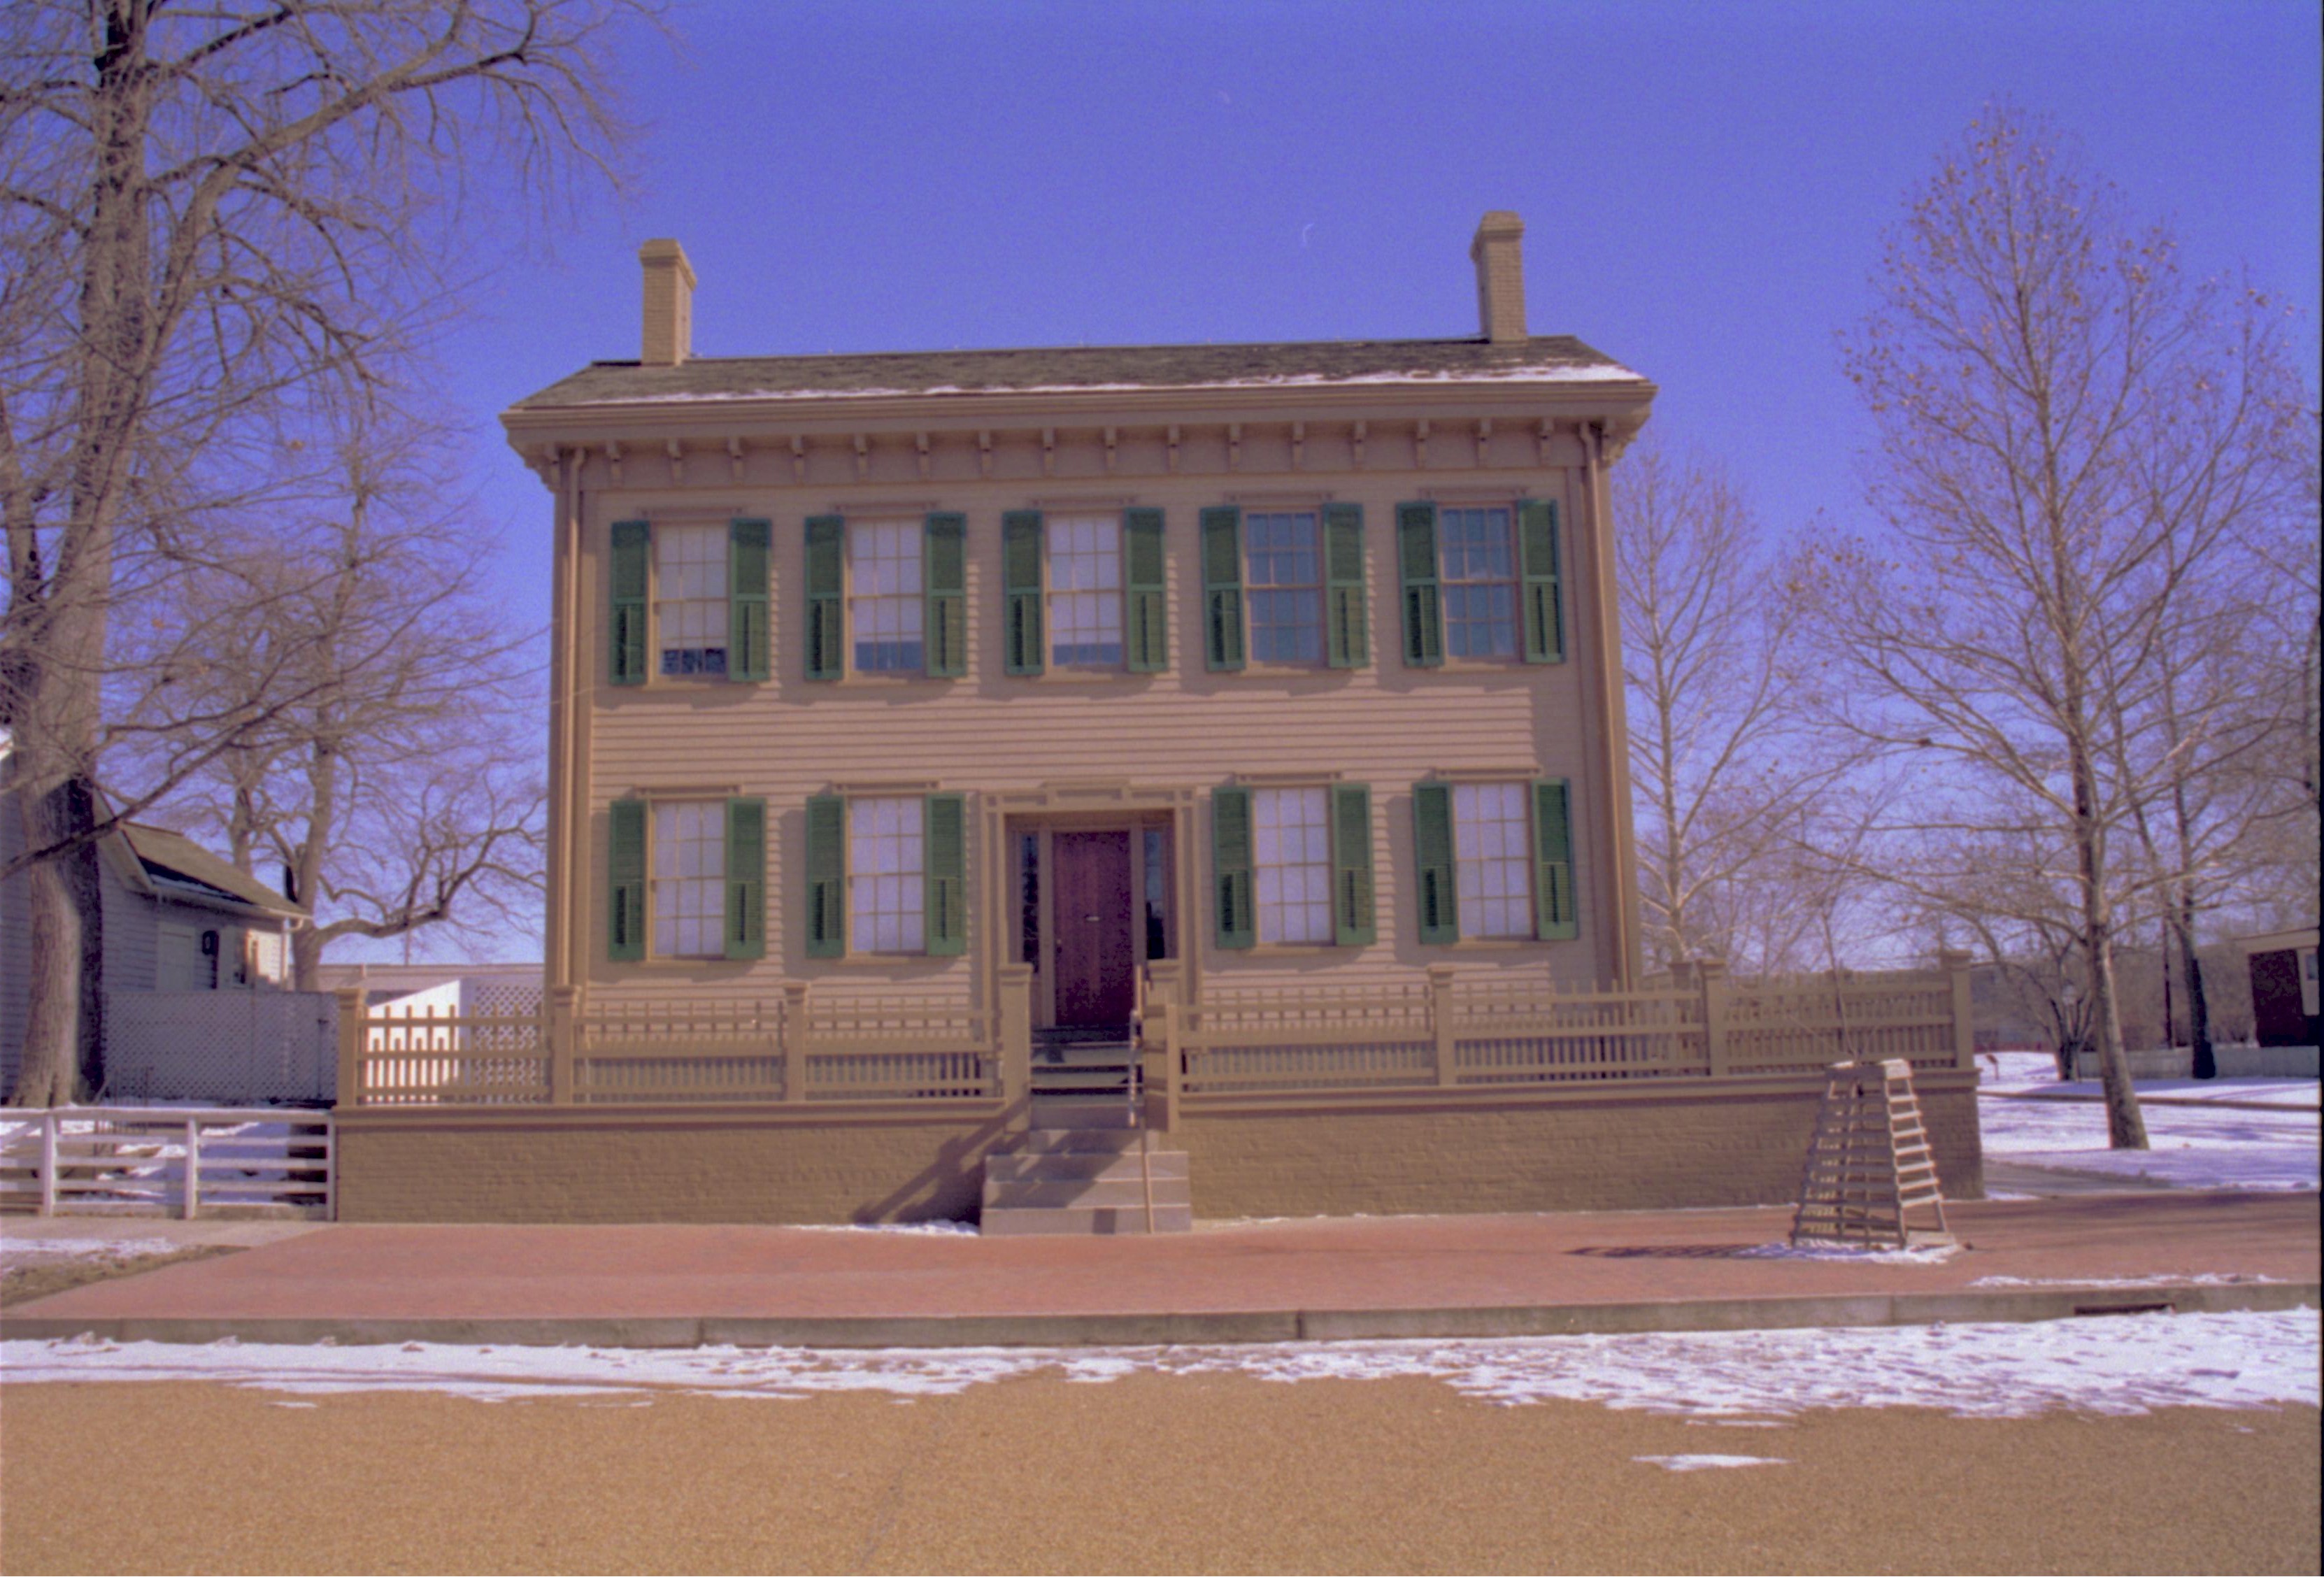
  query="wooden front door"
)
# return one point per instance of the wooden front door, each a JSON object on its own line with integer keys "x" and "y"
{"x": 1095, "y": 953}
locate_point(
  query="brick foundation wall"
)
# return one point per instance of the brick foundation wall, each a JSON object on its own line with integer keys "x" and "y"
{"x": 1610, "y": 1152}
{"x": 628, "y": 1166}
{"x": 1601, "y": 1151}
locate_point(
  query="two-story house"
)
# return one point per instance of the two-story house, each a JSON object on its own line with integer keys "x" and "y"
{"x": 902, "y": 698}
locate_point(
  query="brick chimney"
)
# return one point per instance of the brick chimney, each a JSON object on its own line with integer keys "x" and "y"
{"x": 668, "y": 304}
{"x": 1498, "y": 253}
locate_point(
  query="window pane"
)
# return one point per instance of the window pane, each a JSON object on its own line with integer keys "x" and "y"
{"x": 1084, "y": 591}
{"x": 886, "y": 913}
{"x": 1286, "y": 588}
{"x": 691, "y": 598}
{"x": 1477, "y": 565}
{"x": 884, "y": 604}
{"x": 689, "y": 887}
{"x": 1293, "y": 870}
{"x": 1492, "y": 870}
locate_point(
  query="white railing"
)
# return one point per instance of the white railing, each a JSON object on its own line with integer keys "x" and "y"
{"x": 146, "y": 1161}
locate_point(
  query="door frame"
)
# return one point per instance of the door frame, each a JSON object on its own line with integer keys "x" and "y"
{"x": 1076, "y": 807}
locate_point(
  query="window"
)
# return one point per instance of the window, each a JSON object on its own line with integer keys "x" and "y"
{"x": 1291, "y": 580}
{"x": 685, "y": 879}
{"x": 885, "y": 599}
{"x": 1481, "y": 583}
{"x": 687, "y": 891}
{"x": 886, "y": 874}
{"x": 884, "y": 871}
{"x": 1292, "y": 864}
{"x": 1489, "y": 859}
{"x": 1157, "y": 841}
{"x": 1494, "y": 860}
{"x": 690, "y": 599}
{"x": 1086, "y": 591}
{"x": 1287, "y": 587}
{"x": 705, "y": 587}
{"x": 1478, "y": 578}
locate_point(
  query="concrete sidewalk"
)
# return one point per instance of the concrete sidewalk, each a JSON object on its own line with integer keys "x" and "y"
{"x": 1415, "y": 1276}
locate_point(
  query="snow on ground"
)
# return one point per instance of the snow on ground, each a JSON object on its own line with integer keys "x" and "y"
{"x": 1694, "y": 1462}
{"x": 2192, "y": 1146}
{"x": 2125, "y": 1364}
{"x": 15, "y": 1251}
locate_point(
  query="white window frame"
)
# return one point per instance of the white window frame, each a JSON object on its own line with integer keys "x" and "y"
{"x": 1255, "y": 590}
{"x": 1291, "y": 889}
{"x": 1506, "y": 584}
{"x": 1070, "y": 563}
{"x": 1492, "y": 879}
{"x": 907, "y": 601}
{"x": 887, "y": 875}
{"x": 690, "y": 903}
{"x": 690, "y": 587}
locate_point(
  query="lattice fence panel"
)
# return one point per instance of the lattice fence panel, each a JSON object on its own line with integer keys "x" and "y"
{"x": 226, "y": 1046}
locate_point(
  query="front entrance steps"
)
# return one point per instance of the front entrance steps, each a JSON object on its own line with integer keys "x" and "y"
{"x": 1082, "y": 1169}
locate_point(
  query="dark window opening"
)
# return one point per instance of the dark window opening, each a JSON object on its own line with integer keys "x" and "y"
{"x": 1158, "y": 893}
{"x": 1029, "y": 897}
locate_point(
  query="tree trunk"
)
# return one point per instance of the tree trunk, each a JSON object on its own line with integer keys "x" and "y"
{"x": 2198, "y": 1005}
{"x": 2126, "y": 1128}
{"x": 45, "y": 1078}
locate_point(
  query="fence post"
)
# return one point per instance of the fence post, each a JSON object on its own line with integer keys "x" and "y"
{"x": 1439, "y": 1021}
{"x": 49, "y": 1162}
{"x": 1955, "y": 962}
{"x": 1710, "y": 973}
{"x": 562, "y": 1023}
{"x": 351, "y": 1045}
{"x": 193, "y": 1166}
{"x": 1165, "y": 979}
{"x": 795, "y": 1041}
{"x": 1013, "y": 983}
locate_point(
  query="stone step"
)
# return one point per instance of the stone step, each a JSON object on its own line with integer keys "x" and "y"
{"x": 1087, "y": 1194}
{"x": 1064, "y": 1166}
{"x": 1102, "y": 1221}
{"x": 1051, "y": 1111}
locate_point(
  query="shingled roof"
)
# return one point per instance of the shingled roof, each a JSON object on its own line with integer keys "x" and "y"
{"x": 178, "y": 857}
{"x": 1551, "y": 358}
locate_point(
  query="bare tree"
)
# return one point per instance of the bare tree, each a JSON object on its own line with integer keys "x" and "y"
{"x": 1729, "y": 793}
{"x": 2030, "y": 367}
{"x": 208, "y": 209}
{"x": 394, "y": 777}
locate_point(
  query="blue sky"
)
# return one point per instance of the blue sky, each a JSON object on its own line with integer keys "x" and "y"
{"x": 1704, "y": 186}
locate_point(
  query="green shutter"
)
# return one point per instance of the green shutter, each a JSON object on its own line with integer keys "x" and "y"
{"x": 946, "y": 887}
{"x": 827, "y": 876}
{"x": 1553, "y": 846}
{"x": 1352, "y": 865}
{"x": 1415, "y": 557}
{"x": 1222, "y": 586}
{"x": 945, "y": 577}
{"x": 1347, "y": 644}
{"x": 1431, "y": 856}
{"x": 625, "y": 879}
{"x": 1231, "y": 860}
{"x": 1544, "y": 615}
{"x": 746, "y": 598}
{"x": 746, "y": 878}
{"x": 1145, "y": 611}
{"x": 633, "y": 544}
{"x": 827, "y": 581}
{"x": 1021, "y": 584}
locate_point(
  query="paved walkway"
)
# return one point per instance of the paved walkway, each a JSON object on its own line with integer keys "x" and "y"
{"x": 679, "y": 1286}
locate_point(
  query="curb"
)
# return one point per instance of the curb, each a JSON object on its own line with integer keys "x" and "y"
{"x": 1219, "y": 1329}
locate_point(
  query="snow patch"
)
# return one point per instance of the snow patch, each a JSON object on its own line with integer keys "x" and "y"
{"x": 1695, "y": 1461}
{"x": 2128, "y": 1364}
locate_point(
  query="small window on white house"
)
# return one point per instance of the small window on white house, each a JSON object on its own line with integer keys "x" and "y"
{"x": 690, "y": 599}
{"x": 887, "y": 902}
{"x": 1286, "y": 587}
{"x": 1291, "y": 867}
{"x": 1491, "y": 855}
{"x": 689, "y": 878}
{"x": 885, "y": 604}
{"x": 1086, "y": 591}
{"x": 1478, "y": 575}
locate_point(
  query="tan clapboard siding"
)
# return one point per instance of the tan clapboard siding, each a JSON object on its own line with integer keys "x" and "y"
{"x": 1383, "y": 725}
